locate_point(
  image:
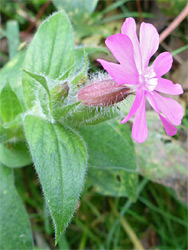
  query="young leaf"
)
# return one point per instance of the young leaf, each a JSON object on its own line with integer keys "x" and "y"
{"x": 30, "y": 89}
{"x": 15, "y": 155}
{"x": 62, "y": 112}
{"x": 84, "y": 68}
{"x": 84, "y": 115}
{"x": 40, "y": 79}
{"x": 15, "y": 228}
{"x": 10, "y": 105}
{"x": 51, "y": 51}
{"x": 36, "y": 92}
{"x": 111, "y": 153}
{"x": 59, "y": 155}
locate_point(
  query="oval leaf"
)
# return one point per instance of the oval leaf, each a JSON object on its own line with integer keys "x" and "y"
{"x": 110, "y": 146}
{"x": 15, "y": 155}
{"x": 117, "y": 183}
{"x": 59, "y": 155}
{"x": 112, "y": 165}
{"x": 10, "y": 105}
{"x": 15, "y": 228}
{"x": 51, "y": 51}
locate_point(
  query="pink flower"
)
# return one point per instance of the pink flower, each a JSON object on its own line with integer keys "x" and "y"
{"x": 133, "y": 56}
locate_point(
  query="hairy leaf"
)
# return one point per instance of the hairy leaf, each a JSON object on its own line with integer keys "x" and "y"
{"x": 118, "y": 183}
{"x": 15, "y": 155}
{"x": 111, "y": 154}
{"x": 15, "y": 228}
{"x": 51, "y": 51}
{"x": 12, "y": 72}
{"x": 59, "y": 155}
{"x": 10, "y": 105}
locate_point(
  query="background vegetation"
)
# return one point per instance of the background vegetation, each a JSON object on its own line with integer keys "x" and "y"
{"x": 105, "y": 218}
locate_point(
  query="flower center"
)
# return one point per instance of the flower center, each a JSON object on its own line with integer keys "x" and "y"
{"x": 147, "y": 80}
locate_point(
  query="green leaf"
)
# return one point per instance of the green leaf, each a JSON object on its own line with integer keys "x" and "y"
{"x": 62, "y": 112}
{"x": 13, "y": 131}
{"x": 59, "y": 155}
{"x": 12, "y": 72}
{"x": 10, "y": 105}
{"x": 111, "y": 146}
{"x": 40, "y": 79}
{"x": 118, "y": 183}
{"x": 15, "y": 155}
{"x": 77, "y": 9}
{"x": 15, "y": 228}
{"x": 5, "y": 134}
{"x": 51, "y": 51}
{"x": 84, "y": 115}
{"x": 36, "y": 92}
{"x": 13, "y": 36}
{"x": 111, "y": 153}
{"x": 79, "y": 58}
{"x": 30, "y": 90}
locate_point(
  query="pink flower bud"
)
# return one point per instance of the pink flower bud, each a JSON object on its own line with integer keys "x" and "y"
{"x": 103, "y": 93}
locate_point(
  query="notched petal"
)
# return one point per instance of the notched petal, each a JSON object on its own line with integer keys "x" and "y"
{"x": 162, "y": 64}
{"x": 149, "y": 42}
{"x": 119, "y": 73}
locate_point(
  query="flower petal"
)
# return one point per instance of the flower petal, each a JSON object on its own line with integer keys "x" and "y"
{"x": 140, "y": 130}
{"x": 149, "y": 42}
{"x": 121, "y": 47}
{"x": 135, "y": 106}
{"x": 129, "y": 29}
{"x": 172, "y": 110}
{"x": 169, "y": 128}
{"x": 168, "y": 87}
{"x": 162, "y": 64}
{"x": 119, "y": 73}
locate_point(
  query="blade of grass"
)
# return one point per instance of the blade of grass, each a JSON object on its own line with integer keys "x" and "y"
{"x": 116, "y": 238}
{"x": 128, "y": 229}
{"x": 163, "y": 213}
{"x": 114, "y": 6}
{"x": 89, "y": 233}
{"x": 122, "y": 213}
{"x": 93, "y": 208}
{"x": 124, "y": 9}
{"x": 164, "y": 204}
{"x": 139, "y": 218}
{"x": 83, "y": 240}
{"x": 13, "y": 36}
{"x": 177, "y": 51}
{"x": 125, "y": 15}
